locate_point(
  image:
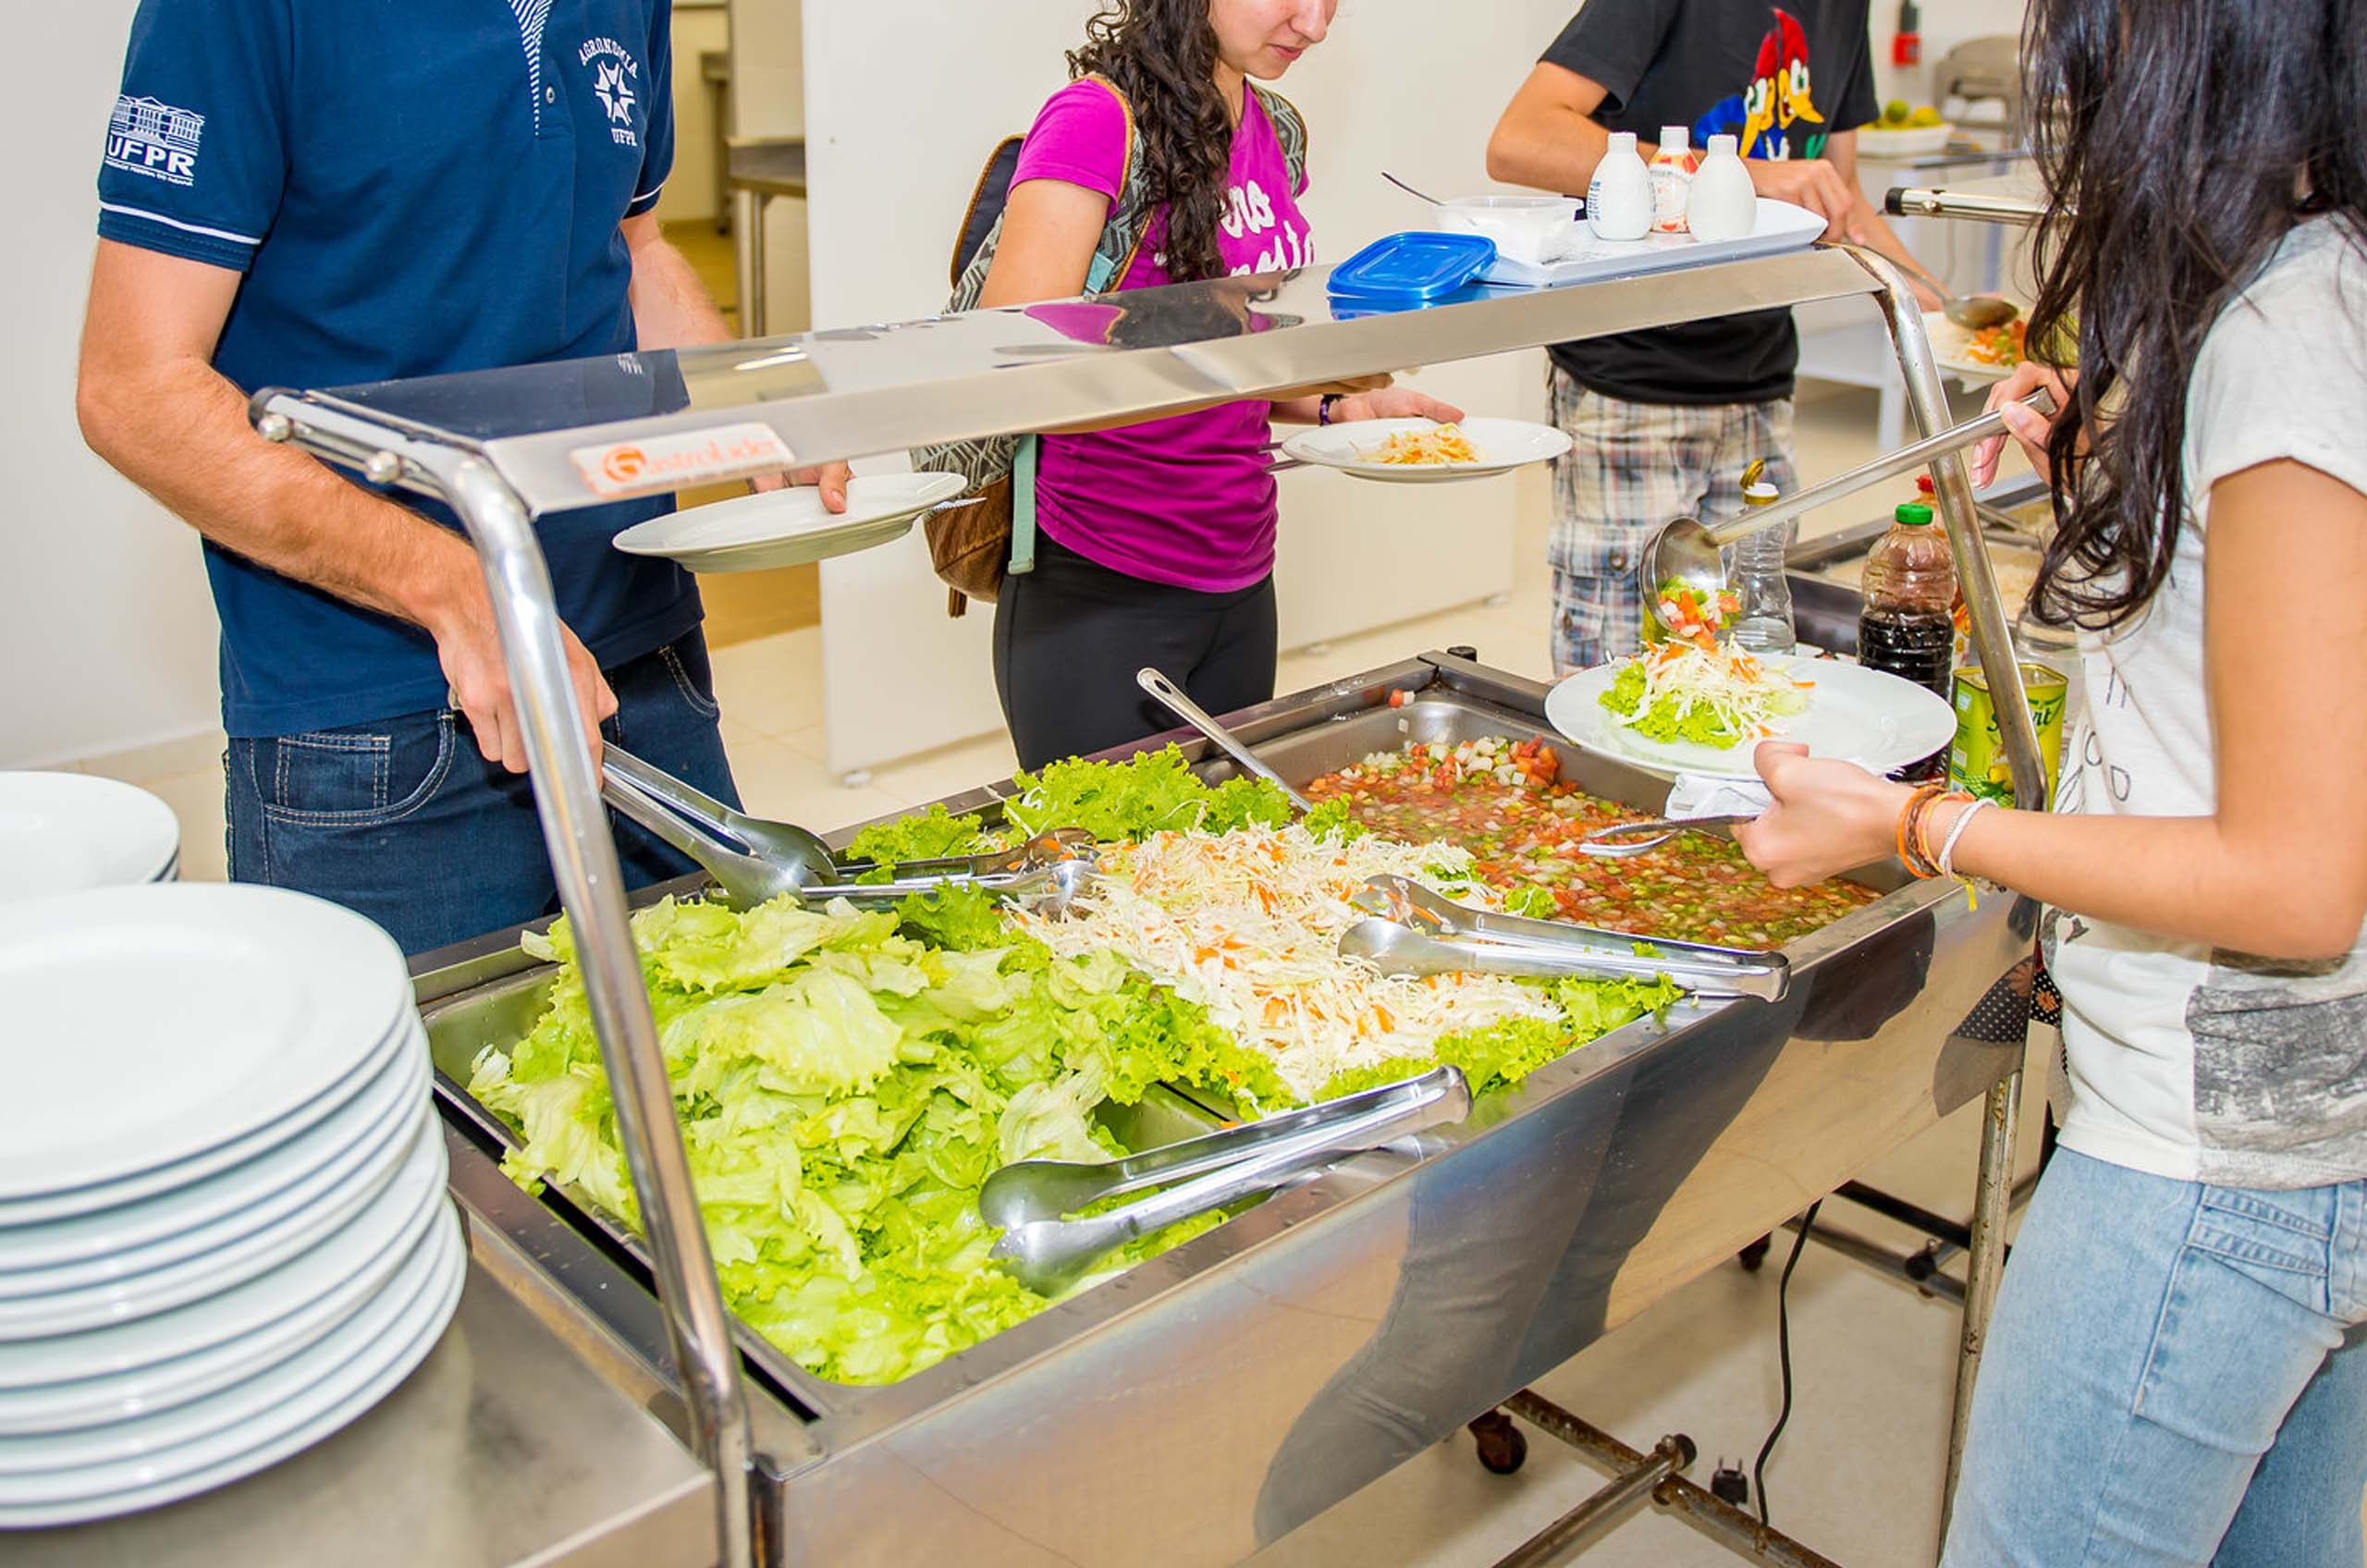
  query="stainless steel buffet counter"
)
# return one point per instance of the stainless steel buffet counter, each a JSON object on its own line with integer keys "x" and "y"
{"x": 1235, "y": 1387}
{"x": 1215, "y": 1397}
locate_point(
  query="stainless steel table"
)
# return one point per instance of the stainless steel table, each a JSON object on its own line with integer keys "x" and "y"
{"x": 506, "y": 1446}
{"x": 758, "y": 168}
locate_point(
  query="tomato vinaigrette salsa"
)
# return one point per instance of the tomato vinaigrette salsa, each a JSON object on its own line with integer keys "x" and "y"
{"x": 1503, "y": 800}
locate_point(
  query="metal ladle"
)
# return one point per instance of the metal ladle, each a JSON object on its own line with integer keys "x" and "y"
{"x": 1690, "y": 552}
{"x": 1976, "y": 312}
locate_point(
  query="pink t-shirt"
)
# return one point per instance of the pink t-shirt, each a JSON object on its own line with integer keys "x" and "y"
{"x": 1188, "y": 501}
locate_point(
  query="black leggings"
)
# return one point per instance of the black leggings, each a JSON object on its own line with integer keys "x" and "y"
{"x": 1070, "y": 635}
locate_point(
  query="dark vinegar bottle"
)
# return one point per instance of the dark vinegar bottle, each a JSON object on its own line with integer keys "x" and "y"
{"x": 1908, "y": 628}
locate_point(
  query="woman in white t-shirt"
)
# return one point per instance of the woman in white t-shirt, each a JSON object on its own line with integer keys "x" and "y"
{"x": 2177, "y": 1369}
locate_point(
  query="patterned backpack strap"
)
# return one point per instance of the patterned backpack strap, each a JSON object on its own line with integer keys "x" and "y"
{"x": 1290, "y": 129}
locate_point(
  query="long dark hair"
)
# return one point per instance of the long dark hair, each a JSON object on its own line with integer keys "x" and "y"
{"x": 1163, "y": 55}
{"x": 2172, "y": 135}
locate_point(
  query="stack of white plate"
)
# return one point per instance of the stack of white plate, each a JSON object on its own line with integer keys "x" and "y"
{"x": 63, "y": 832}
{"x": 223, "y": 1228}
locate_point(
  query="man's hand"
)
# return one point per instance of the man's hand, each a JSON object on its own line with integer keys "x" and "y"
{"x": 832, "y": 478}
{"x": 470, "y": 650}
{"x": 1812, "y": 183}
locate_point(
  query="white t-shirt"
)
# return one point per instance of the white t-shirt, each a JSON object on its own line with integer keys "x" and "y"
{"x": 2185, "y": 1062}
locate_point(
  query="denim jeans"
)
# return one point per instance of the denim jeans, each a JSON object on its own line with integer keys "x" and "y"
{"x": 2177, "y": 1374}
{"x": 404, "y": 820}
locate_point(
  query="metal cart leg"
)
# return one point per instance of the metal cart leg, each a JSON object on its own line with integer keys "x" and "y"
{"x": 1637, "y": 1478}
{"x": 1983, "y": 1260}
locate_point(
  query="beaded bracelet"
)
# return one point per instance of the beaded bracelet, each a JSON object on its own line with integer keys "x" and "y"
{"x": 1909, "y": 822}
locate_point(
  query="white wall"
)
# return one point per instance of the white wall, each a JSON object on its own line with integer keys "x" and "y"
{"x": 105, "y": 618}
{"x": 690, "y": 190}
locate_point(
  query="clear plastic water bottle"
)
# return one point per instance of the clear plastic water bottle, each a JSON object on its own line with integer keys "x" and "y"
{"x": 1755, "y": 572}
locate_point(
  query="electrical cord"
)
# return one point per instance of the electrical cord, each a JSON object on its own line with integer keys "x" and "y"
{"x": 1782, "y": 1357}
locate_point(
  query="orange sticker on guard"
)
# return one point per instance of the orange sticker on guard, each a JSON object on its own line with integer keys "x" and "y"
{"x": 669, "y": 462}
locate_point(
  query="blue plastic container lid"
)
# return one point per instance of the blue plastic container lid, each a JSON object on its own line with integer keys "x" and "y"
{"x": 1413, "y": 266}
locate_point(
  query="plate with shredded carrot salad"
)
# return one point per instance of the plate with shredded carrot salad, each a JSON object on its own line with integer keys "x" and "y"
{"x": 1421, "y": 451}
{"x": 1678, "y": 707}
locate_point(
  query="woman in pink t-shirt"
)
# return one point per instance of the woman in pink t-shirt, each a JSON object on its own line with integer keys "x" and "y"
{"x": 1156, "y": 540}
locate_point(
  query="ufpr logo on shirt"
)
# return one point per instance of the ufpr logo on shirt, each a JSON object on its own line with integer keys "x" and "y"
{"x": 616, "y": 82}
{"x": 153, "y": 139}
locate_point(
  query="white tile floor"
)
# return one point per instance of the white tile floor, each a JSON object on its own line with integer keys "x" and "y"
{"x": 1859, "y": 1473}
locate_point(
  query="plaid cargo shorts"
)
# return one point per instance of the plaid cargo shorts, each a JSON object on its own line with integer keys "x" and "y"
{"x": 1633, "y": 467}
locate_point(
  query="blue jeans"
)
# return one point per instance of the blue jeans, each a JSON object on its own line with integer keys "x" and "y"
{"x": 404, "y": 820}
{"x": 2177, "y": 1374}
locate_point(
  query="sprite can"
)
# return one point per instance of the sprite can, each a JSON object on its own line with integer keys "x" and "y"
{"x": 1977, "y": 762}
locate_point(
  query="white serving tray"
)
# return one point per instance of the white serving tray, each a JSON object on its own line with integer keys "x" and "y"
{"x": 1782, "y": 227}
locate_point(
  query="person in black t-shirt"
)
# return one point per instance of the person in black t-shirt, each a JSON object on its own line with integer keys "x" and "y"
{"x": 1665, "y": 421}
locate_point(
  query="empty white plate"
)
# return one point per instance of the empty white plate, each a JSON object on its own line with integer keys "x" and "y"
{"x": 148, "y": 1024}
{"x": 288, "y": 1427}
{"x": 1862, "y": 715}
{"x": 64, "y": 832}
{"x": 238, "y": 1204}
{"x": 1502, "y": 444}
{"x": 18, "y": 1214}
{"x": 399, "y": 1084}
{"x": 789, "y": 527}
{"x": 37, "y": 1370}
{"x": 422, "y": 1252}
{"x": 72, "y": 1312}
{"x": 158, "y": 1433}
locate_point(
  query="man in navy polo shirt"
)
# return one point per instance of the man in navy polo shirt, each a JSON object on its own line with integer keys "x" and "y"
{"x": 323, "y": 195}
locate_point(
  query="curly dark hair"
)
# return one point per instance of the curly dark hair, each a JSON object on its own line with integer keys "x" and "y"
{"x": 2173, "y": 135}
{"x": 1163, "y": 55}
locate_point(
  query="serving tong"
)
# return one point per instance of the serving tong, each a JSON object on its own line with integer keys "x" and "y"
{"x": 1048, "y": 1244}
{"x": 1604, "y": 843}
{"x": 755, "y": 861}
{"x": 1415, "y": 931}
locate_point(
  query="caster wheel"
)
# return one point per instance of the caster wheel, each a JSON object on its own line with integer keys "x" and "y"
{"x": 1502, "y": 1447}
{"x": 1752, "y": 1257}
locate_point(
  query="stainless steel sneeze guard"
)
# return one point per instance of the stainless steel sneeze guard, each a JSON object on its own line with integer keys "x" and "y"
{"x": 506, "y": 446}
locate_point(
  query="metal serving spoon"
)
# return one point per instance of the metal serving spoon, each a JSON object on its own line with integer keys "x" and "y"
{"x": 1976, "y": 312}
{"x": 1690, "y": 552}
{"x": 1173, "y": 697}
{"x": 1410, "y": 191}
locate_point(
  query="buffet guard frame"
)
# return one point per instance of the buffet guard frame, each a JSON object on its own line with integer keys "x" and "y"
{"x": 505, "y": 447}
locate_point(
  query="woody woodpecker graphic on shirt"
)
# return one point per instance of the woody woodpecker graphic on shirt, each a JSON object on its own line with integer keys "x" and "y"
{"x": 1774, "y": 117}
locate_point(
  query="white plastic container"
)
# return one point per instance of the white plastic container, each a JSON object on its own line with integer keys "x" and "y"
{"x": 1538, "y": 230}
{"x": 1619, "y": 198}
{"x": 1672, "y": 172}
{"x": 1722, "y": 203}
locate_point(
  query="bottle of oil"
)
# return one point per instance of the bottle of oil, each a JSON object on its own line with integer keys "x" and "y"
{"x": 1755, "y": 571}
{"x": 1908, "y": 625}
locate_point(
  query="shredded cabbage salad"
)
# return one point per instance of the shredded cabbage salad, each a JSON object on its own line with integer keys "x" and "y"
{"x": 1715, "y": 696}
{"x": 1247, "y": 925}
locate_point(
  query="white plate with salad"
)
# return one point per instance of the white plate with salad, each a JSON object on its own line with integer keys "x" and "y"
{"x": 1421, "y": 451}
{"x": 1679, "y": 707}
